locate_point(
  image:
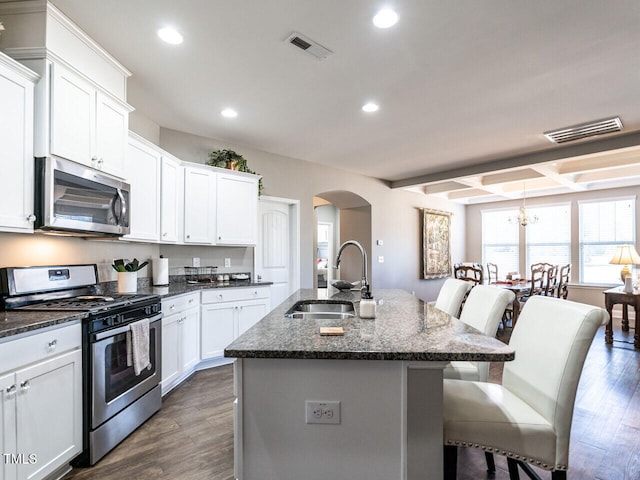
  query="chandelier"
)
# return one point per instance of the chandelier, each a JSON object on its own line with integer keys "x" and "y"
{"x": 523, "y": 218}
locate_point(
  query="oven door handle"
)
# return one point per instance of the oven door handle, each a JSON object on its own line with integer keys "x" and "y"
{"x": 117, "y": 331}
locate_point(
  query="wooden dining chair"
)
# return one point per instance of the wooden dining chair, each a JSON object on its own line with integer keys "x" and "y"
{"x": 538, "y": 274}
{"x": 469, "y": 272}
{"x": 492, "y": 272}
{"x": 528, "y": 417}
{"x": 551, "y": 281}
{"x": 562, "y": 290}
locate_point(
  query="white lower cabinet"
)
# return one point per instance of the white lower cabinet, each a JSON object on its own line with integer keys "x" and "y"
{"x": 227, "y": 313}
{"x": 180, "y": 338}
{"x": 41, "y": 403}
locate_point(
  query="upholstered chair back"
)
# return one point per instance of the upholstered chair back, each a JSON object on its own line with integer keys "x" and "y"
{"x": 451, "y": 295}
{"x": 551, "y": 342}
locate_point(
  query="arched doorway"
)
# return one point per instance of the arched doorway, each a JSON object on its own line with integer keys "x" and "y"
{"x": 340, "y": 216}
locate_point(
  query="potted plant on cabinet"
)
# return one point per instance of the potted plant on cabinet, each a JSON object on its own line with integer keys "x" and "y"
{"x": 225, "y": 158}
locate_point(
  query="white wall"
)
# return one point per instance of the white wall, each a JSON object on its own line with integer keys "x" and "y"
{"x": 396, "y": 214}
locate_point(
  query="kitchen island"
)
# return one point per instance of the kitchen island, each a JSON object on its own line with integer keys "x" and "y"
{"x": 381, "y": 380}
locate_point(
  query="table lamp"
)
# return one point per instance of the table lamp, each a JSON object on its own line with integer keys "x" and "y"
{"x": 625, "y": 255}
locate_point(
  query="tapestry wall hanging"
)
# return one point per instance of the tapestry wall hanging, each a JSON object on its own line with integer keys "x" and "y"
{"x": 436, "y": 253}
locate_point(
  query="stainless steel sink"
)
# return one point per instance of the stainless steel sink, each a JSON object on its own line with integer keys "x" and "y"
{"x": 321, "y": 309}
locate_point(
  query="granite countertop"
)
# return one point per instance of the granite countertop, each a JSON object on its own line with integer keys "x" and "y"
{"x": 405, "y": 328}
{"x": 15, "y": 322}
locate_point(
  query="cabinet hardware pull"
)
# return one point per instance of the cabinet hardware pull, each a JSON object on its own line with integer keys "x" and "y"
{"x": 188, "y": 236}
{"x": 12, "y": 389}
{"x": 26, "y": 385}
{"x": 31, "y": 218}
{"x": 52, "y": 344}
{"x": 171, "y": 307}
{"x": 165, "y": 234}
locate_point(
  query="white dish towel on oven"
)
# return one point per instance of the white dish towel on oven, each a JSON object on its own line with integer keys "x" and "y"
{"x": 138, "y": 346}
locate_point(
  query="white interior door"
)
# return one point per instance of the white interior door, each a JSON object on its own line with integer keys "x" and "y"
{"x": 277, "y": 252}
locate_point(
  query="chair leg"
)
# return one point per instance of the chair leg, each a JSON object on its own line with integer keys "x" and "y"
{"x": 491, "y": 464}
{"x": 558, "y": 475}
{"x": 513, "y": 469}
{"x": 526, "y": 468}
{"x": 450, "y": 462}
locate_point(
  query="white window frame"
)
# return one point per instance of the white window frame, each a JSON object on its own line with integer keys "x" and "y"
{"x": 581, "y": 266}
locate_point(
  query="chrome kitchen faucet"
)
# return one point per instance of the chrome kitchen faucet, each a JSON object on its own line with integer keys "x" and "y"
{"x": 365, "y": 285}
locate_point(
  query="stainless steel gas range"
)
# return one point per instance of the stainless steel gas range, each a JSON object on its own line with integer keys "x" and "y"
{"x": 116, "y": 401}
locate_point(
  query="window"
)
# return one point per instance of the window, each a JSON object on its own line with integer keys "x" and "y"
{"x": 549, "y": 239}
{"x": 500, "y": 240}
{"x": 603, "y": 225}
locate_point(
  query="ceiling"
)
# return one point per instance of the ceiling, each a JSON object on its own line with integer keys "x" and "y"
{"x": 465, "y": 88}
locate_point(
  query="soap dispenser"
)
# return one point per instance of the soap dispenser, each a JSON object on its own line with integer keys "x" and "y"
{"x": 367, "y": 305}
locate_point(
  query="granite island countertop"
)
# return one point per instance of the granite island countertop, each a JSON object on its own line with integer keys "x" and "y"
{"x": 405, "y": 328}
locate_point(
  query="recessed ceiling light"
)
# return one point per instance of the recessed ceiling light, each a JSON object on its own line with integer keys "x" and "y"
{"x": 229, "y": 113}
{"x": 385, "y": 18}
{"x": 370, "y": 107}
{"x": 170, "y": 35}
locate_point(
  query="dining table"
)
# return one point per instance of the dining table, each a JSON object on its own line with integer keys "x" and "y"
{"x": 521, "y": 288}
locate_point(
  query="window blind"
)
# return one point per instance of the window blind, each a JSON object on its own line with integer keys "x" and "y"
{"x": 603, "y": 225}
{"x": 500, "y": 244}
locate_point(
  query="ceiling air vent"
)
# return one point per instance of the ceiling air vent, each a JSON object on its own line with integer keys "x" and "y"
{"x": 308, "y": 45}
{"x": 585, "y": 130}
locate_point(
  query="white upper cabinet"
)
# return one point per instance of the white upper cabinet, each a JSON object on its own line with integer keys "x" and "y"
{"x": 87, "y": 126}
{"x": 81, "y": 110}
{"x": 237, "y": 209}
{"x": 172, "y": 199}
{"x": 199, "y": 205}
{"x": 16, "y": 146}
{"x": 72, "y": 116}
{"x": 112, "y": 127}
{"x": 143, "y": 167}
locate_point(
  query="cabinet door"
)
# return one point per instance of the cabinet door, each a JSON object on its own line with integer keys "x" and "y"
{"x": 218, "y": 329}
{"x": 112, "y": 127}
{"x": 250, "y": 313}
{"x": 73, "y": 103}
{"x": 16, "y": 151}
{"x": 190, "y": 333}
{"x": 170, "y": 350}
{"x": 237, "y": 210}
{"x": 49, "y": 413}
{"x": 199, "y": 206}
{"x": 8, "y": 470}
{"x": 171, "y": 201}
{"x": 143, "y": 172}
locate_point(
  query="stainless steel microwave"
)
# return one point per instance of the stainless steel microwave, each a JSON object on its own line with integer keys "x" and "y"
{"x": 78, "y": 200}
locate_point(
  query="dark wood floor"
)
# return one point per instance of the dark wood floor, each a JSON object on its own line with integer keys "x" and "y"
{"x": 192, "y": 436}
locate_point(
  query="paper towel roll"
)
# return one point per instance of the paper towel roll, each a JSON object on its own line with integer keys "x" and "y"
{"x": 160, "y": 270}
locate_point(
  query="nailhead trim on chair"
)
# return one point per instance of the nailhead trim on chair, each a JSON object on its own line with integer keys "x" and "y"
{"x": 505, "y": 453}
